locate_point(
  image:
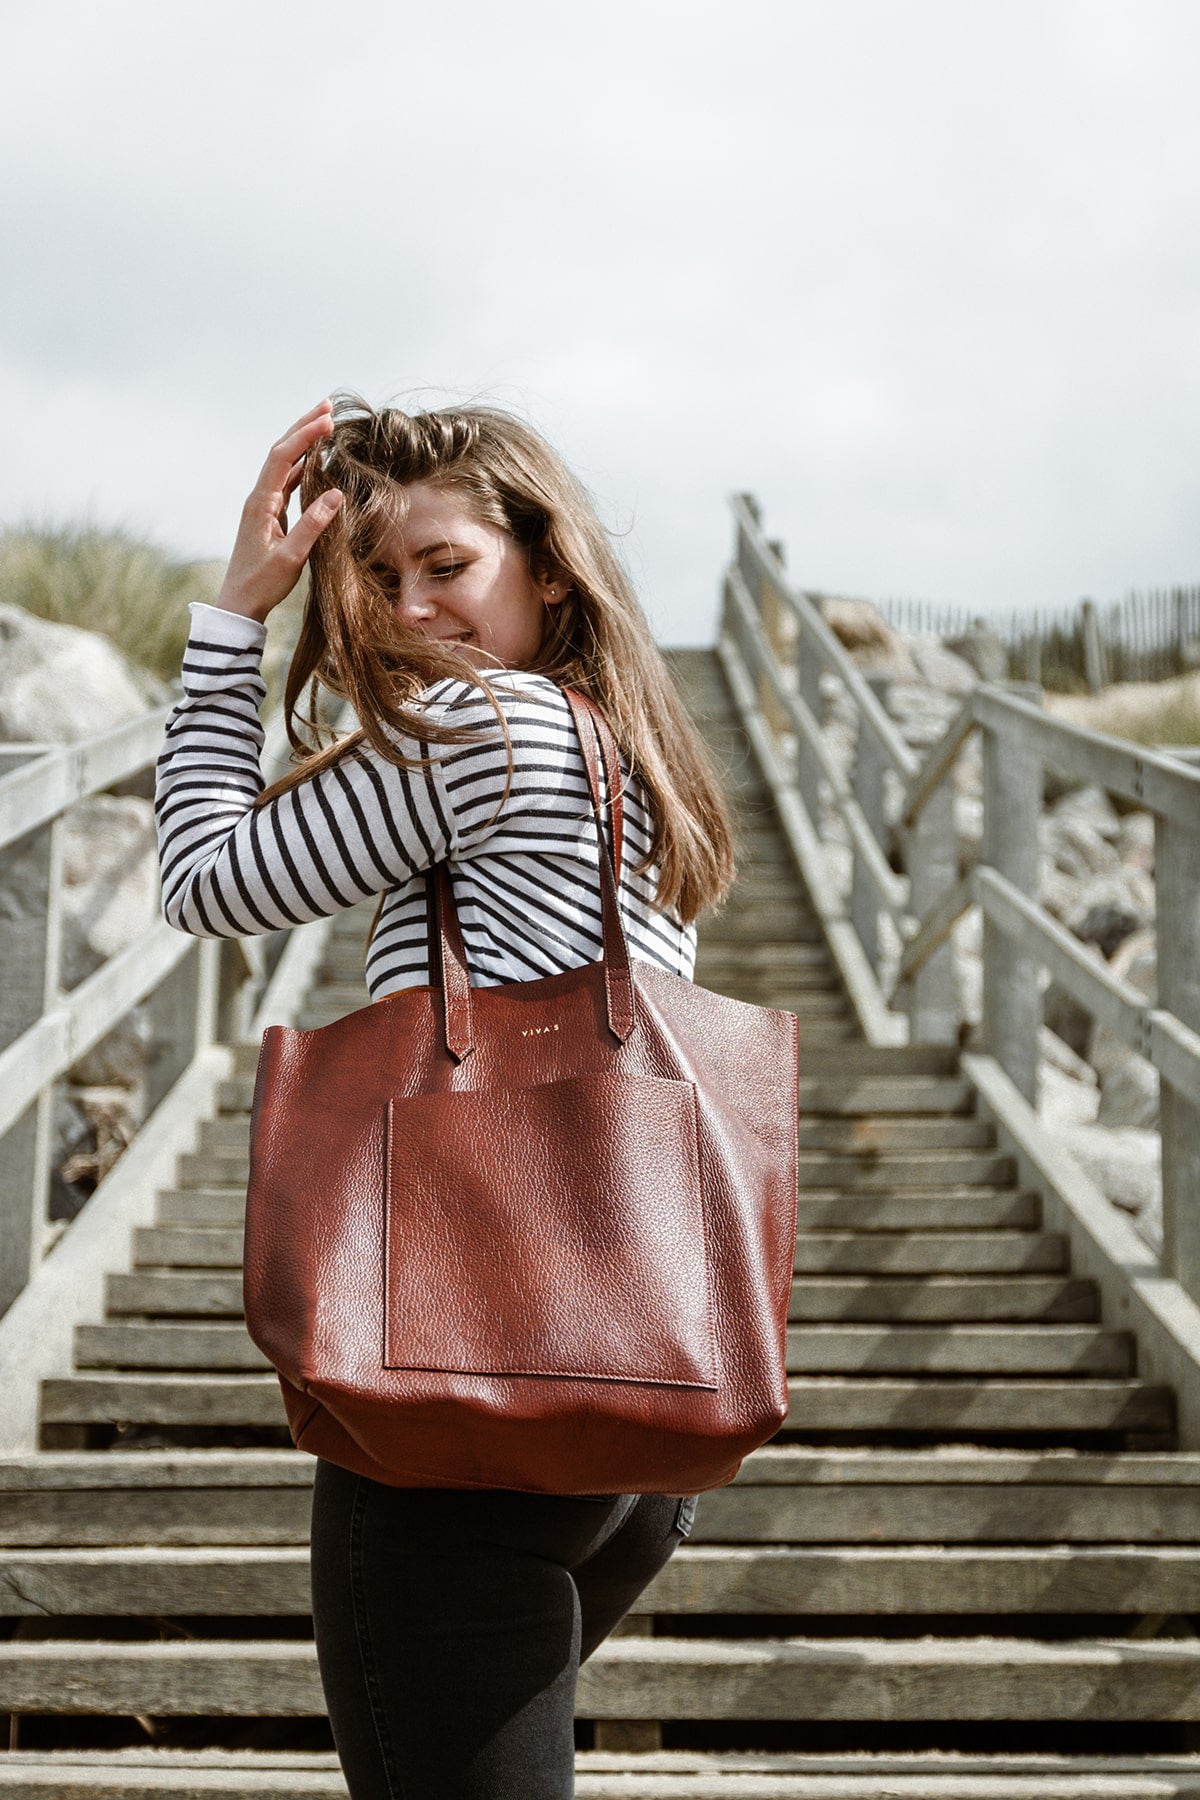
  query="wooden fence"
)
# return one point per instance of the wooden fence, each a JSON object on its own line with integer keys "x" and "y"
{"x": 1148, "y": 636}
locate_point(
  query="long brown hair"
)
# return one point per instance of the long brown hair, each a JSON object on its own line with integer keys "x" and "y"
{"x": 597, "y": 640}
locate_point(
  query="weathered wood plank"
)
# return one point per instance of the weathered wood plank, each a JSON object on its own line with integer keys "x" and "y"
{"x": 929, "y": 1253}
{"x": 867, "y": 1173}
{"x": 663, "y": 1678}
{"x": 239, "y": 1581}
{"x": 960, "y": 1350}
{"x": 172, "y": 1292}
{"x": 953, "y": 1209}
{"x": 957, "y": 1349}
{"x": 603, "y": 1775}
{"x": 984, "y": 1298}
{"x": 967, "y": 1405}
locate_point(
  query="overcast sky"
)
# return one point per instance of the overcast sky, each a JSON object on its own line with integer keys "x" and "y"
{"x": 922, "y": 274}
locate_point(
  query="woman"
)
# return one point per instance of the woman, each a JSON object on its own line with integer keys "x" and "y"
{"x": 459, "y": 580}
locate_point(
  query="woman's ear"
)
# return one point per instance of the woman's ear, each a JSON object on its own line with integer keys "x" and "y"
{"x": 553, "y": 586}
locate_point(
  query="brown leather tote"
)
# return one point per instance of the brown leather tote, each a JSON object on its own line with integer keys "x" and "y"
{"x": 537, "y": 1235}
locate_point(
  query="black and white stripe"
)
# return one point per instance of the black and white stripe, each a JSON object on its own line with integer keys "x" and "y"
{"x": 526, "y": 880}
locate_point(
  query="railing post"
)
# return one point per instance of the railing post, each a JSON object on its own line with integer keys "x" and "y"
{"x": 1012, "y": 1001}
{"x": 868, "y": 791}
{"x": 781, "y": 630}
{"x": 29, "y": 938}
{"x": 1177, "y": 880}
{"x": 932, "y": 862}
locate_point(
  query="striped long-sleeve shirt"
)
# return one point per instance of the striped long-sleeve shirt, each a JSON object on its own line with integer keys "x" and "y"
{"x": 526, "y": 878}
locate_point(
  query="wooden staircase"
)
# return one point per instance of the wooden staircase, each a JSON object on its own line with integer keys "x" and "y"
{"x": 968, "y": 1566}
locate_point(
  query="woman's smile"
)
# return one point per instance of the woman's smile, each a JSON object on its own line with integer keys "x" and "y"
{"x": 444, "y": 563}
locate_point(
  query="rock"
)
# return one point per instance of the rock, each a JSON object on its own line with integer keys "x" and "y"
{"x": 1062, "y": 1100}
{"x": 862, "y": 630}
{"x": 1059, "y": 893}
{"x": 111, "y": 876}
{"x": 1059, "y": 1055}
{"x": 1129, "y": 1094}
{"x": 1135, "y": 841}
{"x": 1092, "y": 807}
{"x": 968, "y": 828}
{"x": 1136, "y": 960}
{"x": 922, "y": 713}
{"x": 59, "y": 684}
{"x": 968, "y": 975}
{"x": 983, "y": 650}
{"x": 1107, "y": 925}
{"x": 119, "y": 1059}
{"x": 1125, "y": 1167}
{"x": 1076, "y": 847}
{"x": 1066, "y": 1019}
{"x": 939, "y": 667}
{"x": 1120, "y": 891}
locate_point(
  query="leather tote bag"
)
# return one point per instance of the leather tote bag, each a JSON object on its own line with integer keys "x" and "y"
{"x": 537, "y": 1235}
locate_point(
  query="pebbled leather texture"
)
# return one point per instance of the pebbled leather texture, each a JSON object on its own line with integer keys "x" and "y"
{"x": 534, "y": 1236}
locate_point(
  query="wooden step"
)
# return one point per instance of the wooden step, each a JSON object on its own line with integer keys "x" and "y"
{"x": 782, "y": 1494}
{"x": 817, "y": 1252}
{"x": 956, "y": 1407}
{"x": 897, "y": 1169}
{"x": 824, "y": 1349}
{"x": 139, "y": 1774}
{"x": 862, "y": 1136}
{"x": 917, "y": 1209}
{"x": 874, "y": 1097}
{"x": 955, "y": 1350}
{"x": 924, "y": 1252}
{"x": 947, "y": 1298}
{"x": 793, "y": 1678}
{"x": 171, "y": 1292}
{"x": 228, "y": 1164}
{"x": 943, "y": 1298}
{"x": 957, "y": 1209}
{"x": 869, "y": 1097}
{"x": 232, "y": 1581}
{"x": 198, "y": 1247}
{"x": 774, "y": 958}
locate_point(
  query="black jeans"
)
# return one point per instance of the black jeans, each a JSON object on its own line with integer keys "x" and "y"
{"x": 450, "y": 1625}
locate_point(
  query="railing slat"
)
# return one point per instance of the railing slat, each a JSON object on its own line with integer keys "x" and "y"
{"x": 33, "y": 795}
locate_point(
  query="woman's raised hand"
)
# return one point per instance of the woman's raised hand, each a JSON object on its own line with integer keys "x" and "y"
{"x": 267, "y": 557}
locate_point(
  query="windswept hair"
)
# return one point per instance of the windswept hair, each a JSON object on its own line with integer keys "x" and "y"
{"x": 353, "y": 643}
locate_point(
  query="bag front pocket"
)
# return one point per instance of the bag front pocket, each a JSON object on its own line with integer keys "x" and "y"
{"x": 549, "y": 1231}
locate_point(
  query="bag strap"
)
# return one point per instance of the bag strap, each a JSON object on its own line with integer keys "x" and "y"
{"x": 597, "y": 743}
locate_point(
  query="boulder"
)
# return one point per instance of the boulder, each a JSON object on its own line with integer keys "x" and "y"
{"x": 1076, "y": 847}
{"x": 983, "y": 650}
{"x": 1125, "y": 1166}
{"x": 1135, "y": 841}
{"x": 939, "y": 667}
{"x": 1129, "y": 1094}
{"x": 1092, "y": 807}
{"x": 59, "y": 684}
{"x": 111, "y": 880}
{"x": 861, "y": 629}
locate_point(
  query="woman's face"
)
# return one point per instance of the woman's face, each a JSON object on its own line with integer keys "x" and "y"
{"x": 465, "y": 582}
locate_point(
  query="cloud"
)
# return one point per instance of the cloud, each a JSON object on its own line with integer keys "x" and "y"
{"x": 922, "y": 277}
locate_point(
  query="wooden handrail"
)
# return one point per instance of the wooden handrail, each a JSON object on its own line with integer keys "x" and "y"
{"x": 197, "y": 994}
{"x": 1021, "y": 937}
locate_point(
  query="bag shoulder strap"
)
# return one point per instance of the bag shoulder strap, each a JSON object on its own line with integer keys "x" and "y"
{"x": 597, "y": 743}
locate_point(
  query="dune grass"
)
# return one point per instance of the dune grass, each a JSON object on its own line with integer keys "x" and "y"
{"x": 110, "y": 580}
{"x": 1157, "y": 714}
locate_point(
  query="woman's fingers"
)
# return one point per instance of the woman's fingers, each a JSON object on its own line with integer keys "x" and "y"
{"x": 311, "y": 524}
{"x": 284, "y": 452}
{"x": 267, "y": 558}
{"x": 289, "y": 488}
